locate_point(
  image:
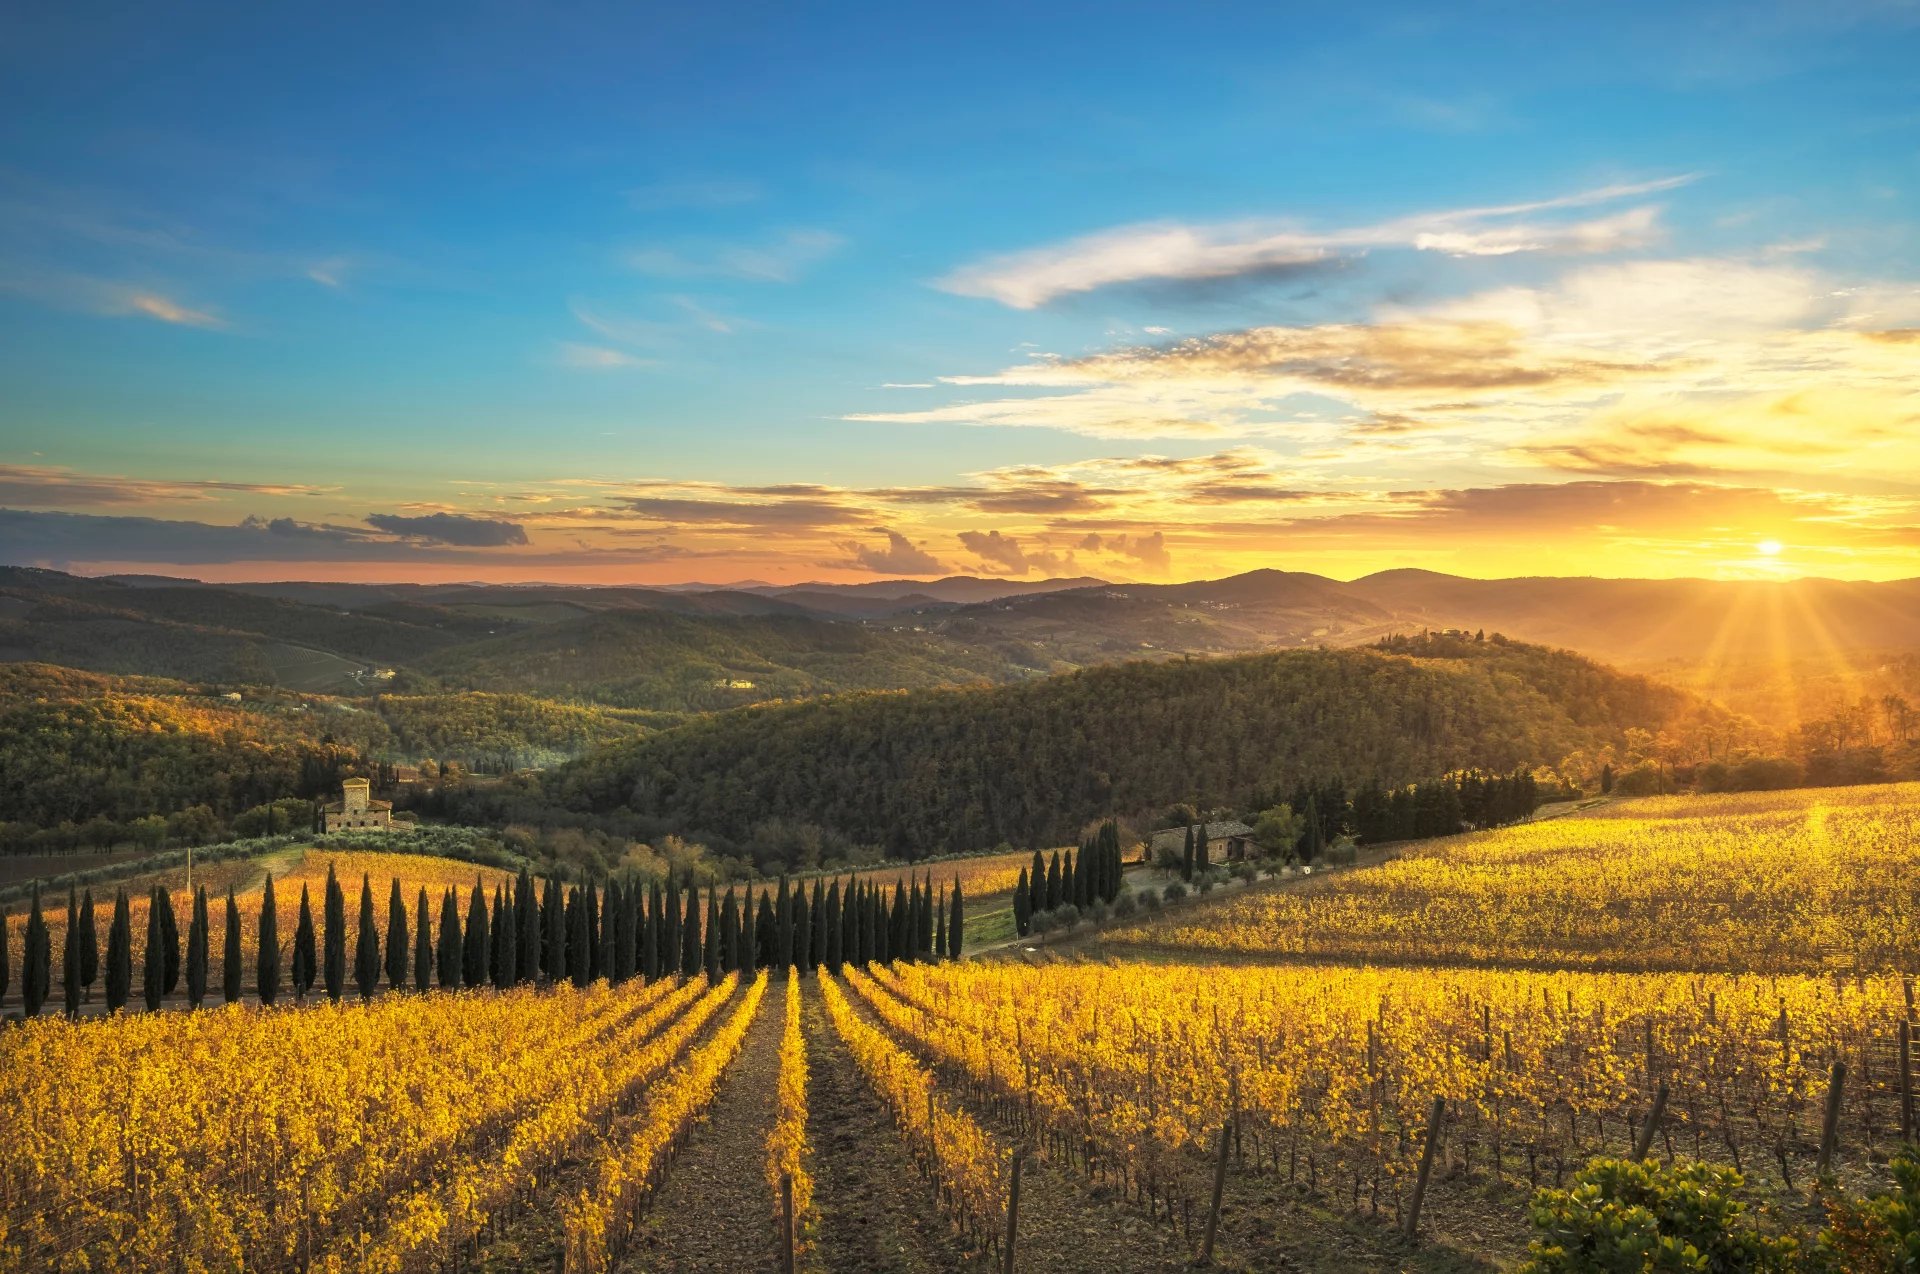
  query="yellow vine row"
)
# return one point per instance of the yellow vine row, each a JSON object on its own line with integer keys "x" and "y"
{"x": 787, "y": 1149}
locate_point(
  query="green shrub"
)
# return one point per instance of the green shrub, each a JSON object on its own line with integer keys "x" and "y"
{"x": 1879, "y": 1234}
{"x": 1622, "y": 1217}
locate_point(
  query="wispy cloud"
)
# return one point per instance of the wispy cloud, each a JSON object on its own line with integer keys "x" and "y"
{"x": 1174, "y": 251}
{"x": 153, "y": 305}
{"x": 694, "y": 192}
{"x": 784, "y": 258}
{"x": 598, "y": 358}
{"x": 46, "y": 486}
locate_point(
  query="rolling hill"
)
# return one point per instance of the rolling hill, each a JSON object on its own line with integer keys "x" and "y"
{"x": 1030, "y": 764}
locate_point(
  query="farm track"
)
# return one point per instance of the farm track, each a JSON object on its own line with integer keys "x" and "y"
{"x": 876, "y": 1215}
{"x": 715, "y": 1212}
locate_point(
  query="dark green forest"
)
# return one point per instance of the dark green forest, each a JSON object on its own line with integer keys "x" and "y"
{"x": 1031, "y": 764}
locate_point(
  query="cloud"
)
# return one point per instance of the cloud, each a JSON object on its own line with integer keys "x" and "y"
{"x": 458, "y": 529}
{"x": 39, "y": 486}
{"x": 790, "y": 508}
{"x": 598, "y": 358}
{"x": 1148, "y": 550}
{"x": 154, "y": 306}
{"x": 901, "y": 556}
{"x": 1173, "y": 251}
{"x": 784, "y": 258}
{"x": 1004, "y": 555}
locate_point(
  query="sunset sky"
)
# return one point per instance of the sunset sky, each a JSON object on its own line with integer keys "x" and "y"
{"x": 653, "y": 294}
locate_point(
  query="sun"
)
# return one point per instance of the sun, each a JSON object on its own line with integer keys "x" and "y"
{"x": 1769, "y": 548}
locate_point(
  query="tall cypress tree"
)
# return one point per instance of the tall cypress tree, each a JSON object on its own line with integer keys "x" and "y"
{"x": 730, "y": 931}
{"x": 120, "y": 954}
{"x": 670, "y": 928}
{"x": 579, "y": 939}
{"x": 940, "y": 926}
{"x": 625, "y": 950}
{"x": 783, "y": 926}
{"x": 817, "y": 921}
{"x": 333, "y": 962}
{"x": 197, "y": 950}
{"x": 1186, "y": 857}
{"x": 802, "y": 930}
{"x": 169, "y": 942}
{"x": 1022, "y": 905}
{"x": 612, "y": 917}
{"x": 423, "y": 951}
{"x": 266, "y": 973}
{"x": 553, "y": 933}
{"x": 834, "y": 931}
{"x": 36, "y": 965}
{"x": 473, "y": 951}
{"x": 70, "y": 956}
{"x": 956, "y": 924}
{"x": 690, "y": 953}
{"x": 927, "y": 905}
{"x": 6, "y": 967}
{"x": 500, "y": 933}
{"x": 900, "y": 937}
{"x": 766, "y": 927}
{"x": 526, "y": 919}
{"x": 89, "y": 947}
{"x": 647, "y": 940}
{"x": 305, "y": 951}
{"x": 1200, "y": 848}
{"x": 1037, "y": 883}
{"x": 232, "y": 969}
{"x": 710, "y": 941}
{"x": 596, "y": 969}
{"x": 366, "y": 947}
{"x": 153, "y": 968}
{"x": 396, "y": 938}
{"x": 1054, "y": 898}
{"x": 448, "y": 955}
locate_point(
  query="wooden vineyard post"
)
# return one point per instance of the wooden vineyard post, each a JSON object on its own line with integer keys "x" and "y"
{"x": 1013, "y": 1211}
{"x": 1219, "y": 1188}
{"x": 1906, "y": 1082}
{"x": 1435, "y": 1118}
{"x": 786, "y": 1223}
{"x": 1644, "y": 1142}
{"x": 1830, "y": 1126}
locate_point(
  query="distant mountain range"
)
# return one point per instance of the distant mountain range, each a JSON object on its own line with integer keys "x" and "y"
{"x": 688, "y": 648}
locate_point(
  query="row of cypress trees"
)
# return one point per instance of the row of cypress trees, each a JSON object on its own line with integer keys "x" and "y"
{"x": 524, "y": 933}
{"x": 1093, "y": 873}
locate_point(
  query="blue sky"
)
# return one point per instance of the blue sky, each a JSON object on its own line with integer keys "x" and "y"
{"x": 638, "y": 282}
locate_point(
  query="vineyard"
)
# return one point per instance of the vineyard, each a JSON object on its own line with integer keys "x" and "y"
{"x": 836, "y": 1090}
{"x": 1781, "y": 882}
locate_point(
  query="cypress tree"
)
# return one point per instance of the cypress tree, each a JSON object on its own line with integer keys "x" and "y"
{"x": 89, "y": 948}
{"x": 670, "y": 929}
{"x": 266, "y": 973}
{"x": 1083, "y": 878}
{"x": 710, "y": 946}
{"x": 197, "y": 950}
{"x": 940, "y": 926}
{"x": 333, "y": 970}
{"x": 447, "y": 955}
{"x": 834, "y": 929}
{"x": 423, "y": 951}
{"x": 526, "y": 923}
{"x": 690, "y": 953}
{"x": 579, "y": 939}
{"x": 783, "y": 927}
{"x": 911, "y": 951}
{"x": 730, "y": 931}
{"x": 610, "y": 921}
{"x": 505, "y": 946}
{"x": 6, "y": 967}
{"x": 473, "y": 952}
{"x": 553, "y": 933}
{"x": 1037, "y": 883}
{"x": 596, "y": 968}
{"x": 120, "y": 954}
{"x": 1022, "y": 909}
{"x": 169, "y": 942}
{"x": 232, "y": 969}
{"x": 1200, "y": 848}
{"x": 901, "y": 947}
{"x": 153, "y": 969}
{"x": 802, "y": 930}
{"x": 1186, "y": 857}
{"x": 927, "y": 905}
{"x": 647, "y": 940}
{"x": 1053, "y": 882}
{"x": 396, "y": 938}
{"x": 817, "y": 921}
{"x": 766, "y": 929}
{"x": 625, "y": 938}
{"x": 35, "y": 967}
{"x": 305, "y": 953}
{"x": 70, "y": 956}
{"x": 366, "y": 948}
{"x": 956, "y": 924}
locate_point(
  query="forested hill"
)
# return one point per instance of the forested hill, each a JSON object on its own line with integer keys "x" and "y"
{"x": 955, "y": 769}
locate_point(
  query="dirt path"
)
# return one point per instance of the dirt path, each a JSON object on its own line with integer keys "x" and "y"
{"x": 876, "y": 1215}
{"x": 715, "y": 1212}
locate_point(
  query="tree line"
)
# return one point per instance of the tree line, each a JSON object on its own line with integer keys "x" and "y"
{"x": 527, "y": 931}
{"x": 1077, "y": 881}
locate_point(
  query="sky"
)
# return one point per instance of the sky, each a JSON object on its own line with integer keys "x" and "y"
{"x": 651, "y": 294}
